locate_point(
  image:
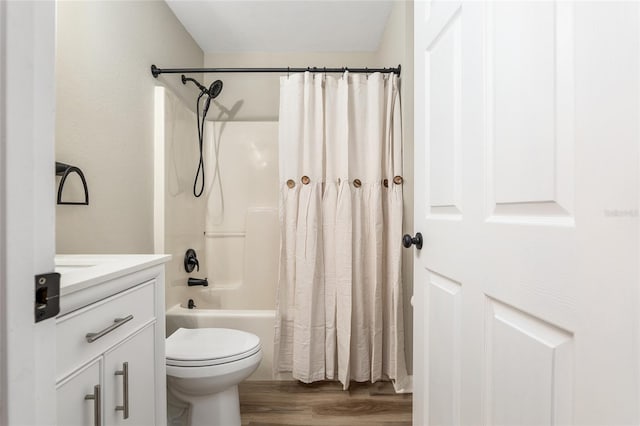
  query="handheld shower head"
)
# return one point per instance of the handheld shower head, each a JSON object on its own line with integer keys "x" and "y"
{"x": 213, "y": 92}
{"x": 215, "y": 89}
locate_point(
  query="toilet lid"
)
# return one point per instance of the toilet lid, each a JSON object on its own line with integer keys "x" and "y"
{"x": 209, "y": 346}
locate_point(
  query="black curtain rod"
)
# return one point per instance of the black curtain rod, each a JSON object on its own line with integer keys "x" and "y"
{"x": 155, "y": 71}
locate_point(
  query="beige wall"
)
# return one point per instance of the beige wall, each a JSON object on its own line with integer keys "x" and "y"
{"x": 104, "y": 116}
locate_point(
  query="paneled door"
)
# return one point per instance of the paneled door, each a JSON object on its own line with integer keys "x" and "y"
{"x": 527, "y": 154}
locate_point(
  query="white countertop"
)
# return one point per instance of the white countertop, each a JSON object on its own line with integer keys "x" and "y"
{"x": 85, "y": 271}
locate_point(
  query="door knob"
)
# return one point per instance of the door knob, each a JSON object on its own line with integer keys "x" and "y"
{"x": 407, "y": 240}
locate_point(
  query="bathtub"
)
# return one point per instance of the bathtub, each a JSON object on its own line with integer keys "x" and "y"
{"x": 259, "y": 322}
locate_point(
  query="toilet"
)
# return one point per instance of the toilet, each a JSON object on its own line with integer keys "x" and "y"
{"x": 204, "y": 368}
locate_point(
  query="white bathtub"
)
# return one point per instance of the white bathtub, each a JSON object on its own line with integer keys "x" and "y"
{"x": 259, "y": 322}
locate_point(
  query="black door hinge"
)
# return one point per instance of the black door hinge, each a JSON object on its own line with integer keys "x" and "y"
{"x": 47, "y": 296}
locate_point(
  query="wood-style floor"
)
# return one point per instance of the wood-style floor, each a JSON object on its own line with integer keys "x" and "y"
{"x": 322, "y": 404}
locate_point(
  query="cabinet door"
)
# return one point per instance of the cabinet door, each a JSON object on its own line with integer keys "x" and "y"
{"x": 135, "y": 356}
{"x": 77, "y": 396}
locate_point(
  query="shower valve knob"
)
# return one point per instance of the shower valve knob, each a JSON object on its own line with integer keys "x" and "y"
{"x": 191, "y": 261}
{"x": 408, "y": 240}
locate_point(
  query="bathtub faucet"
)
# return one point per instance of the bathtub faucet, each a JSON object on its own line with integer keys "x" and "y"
{"x": 197, "y": 281}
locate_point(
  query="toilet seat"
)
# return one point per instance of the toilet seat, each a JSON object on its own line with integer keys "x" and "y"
{"x": 203, "y": 347}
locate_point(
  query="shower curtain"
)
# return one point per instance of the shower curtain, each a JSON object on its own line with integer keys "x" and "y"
{"x": 339, "y": 303}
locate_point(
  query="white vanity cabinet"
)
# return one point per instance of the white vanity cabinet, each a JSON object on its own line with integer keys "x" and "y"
{"x": 110, "y": 365}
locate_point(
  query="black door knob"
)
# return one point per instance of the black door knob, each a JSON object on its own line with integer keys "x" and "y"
{"x": 407, "y": 240}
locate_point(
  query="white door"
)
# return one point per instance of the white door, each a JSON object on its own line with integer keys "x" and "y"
{"x": 527, "y": 150}
{"x": 27, "y": 215}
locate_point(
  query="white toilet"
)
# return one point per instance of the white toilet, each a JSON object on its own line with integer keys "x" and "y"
{"x": 204, "y": 368}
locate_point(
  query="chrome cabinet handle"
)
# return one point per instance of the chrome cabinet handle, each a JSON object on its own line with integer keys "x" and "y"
{"x": 125, "y": 390}
{"x": 92, "y": 337}
{"x": 95, "y": 397}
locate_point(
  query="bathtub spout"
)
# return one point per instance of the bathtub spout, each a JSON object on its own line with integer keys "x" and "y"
{"x": 191, "y": 304}
{"x": 197, "y": 281}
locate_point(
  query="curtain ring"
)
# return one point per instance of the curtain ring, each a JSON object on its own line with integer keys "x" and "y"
{"x": 325, "y": 73}
{"x": 366, "y": 70}
{"x": 288, "y": 69}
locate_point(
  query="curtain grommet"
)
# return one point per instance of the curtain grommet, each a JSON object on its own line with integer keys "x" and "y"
{"x": 357, "y": 183}
{"x": 291, "y": 183}
{"x": 385, "y": 183}
{"x": 305, "y": 180}
{"x": 398, "y": 180}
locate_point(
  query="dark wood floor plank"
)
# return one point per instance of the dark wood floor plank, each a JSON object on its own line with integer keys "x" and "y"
{"x": 290, "y": 403}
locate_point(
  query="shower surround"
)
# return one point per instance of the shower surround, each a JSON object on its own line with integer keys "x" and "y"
{"x": 234, "y": 228}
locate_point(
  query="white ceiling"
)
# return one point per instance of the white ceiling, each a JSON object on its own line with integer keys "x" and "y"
{"x": 284, "y": 26}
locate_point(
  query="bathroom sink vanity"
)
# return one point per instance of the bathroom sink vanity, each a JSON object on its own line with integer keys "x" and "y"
{"x": 110, "y": 364}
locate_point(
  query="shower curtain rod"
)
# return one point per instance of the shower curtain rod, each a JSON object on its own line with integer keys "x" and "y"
{"x": 155, "y": 71}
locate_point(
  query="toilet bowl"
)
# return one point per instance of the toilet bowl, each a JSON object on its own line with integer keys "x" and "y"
{"x": 204, "y": 368}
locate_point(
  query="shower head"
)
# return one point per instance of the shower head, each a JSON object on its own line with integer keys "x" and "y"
{"x": 213, "y": 92}
{"x": 215, "y": 89}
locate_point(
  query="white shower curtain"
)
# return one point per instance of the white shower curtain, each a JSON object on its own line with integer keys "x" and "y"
{"x": 339, "y": 303}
